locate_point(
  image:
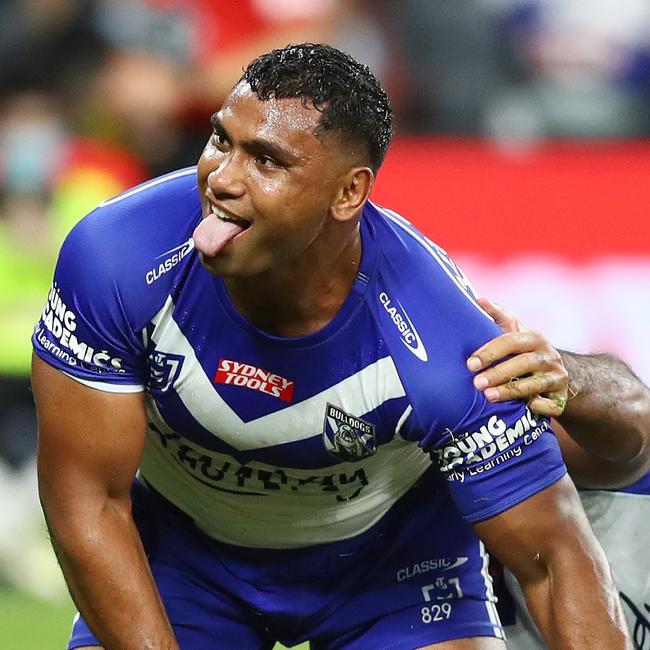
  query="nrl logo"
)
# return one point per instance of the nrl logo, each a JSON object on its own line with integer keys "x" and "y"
{"x": 164, "y": 369}
{"x": 347, "y": 437}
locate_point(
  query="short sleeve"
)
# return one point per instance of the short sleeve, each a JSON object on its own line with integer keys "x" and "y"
{"x": 493, "y": 455}
{"x": 498, "y": 456}
{"x": 84, "y": 329}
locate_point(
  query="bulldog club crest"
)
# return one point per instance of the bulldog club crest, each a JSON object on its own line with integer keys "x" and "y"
{"x": 347, "y": 437}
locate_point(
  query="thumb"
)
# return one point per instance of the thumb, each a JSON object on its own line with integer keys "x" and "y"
{"x": 506, "y": 321}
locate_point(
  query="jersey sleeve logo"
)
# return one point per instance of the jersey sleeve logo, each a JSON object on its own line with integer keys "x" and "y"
{"x": 237, "y": 373}
{"x": 456, "y": 273}
{"x": 492, "y": 444}
{"x": 408, "y": 334}
{"x": 347, "y": 437}
{"x": 57, "y": 333}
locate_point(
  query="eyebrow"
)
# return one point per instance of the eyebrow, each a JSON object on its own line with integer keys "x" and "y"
{"x": 258, "y": 145}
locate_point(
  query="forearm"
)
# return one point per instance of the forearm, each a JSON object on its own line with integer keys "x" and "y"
{"x": 109, "y": 578}
{"x": 610, "y": 415}
{"x": 547, "y": 544}
{"x": 575, "y": 604}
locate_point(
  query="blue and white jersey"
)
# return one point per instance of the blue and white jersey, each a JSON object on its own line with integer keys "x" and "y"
{"x": 285, "y": 442}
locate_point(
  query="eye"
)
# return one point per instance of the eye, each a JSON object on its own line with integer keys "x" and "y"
{"x": 267, "y": 162}
{"x": 219, "y": 140}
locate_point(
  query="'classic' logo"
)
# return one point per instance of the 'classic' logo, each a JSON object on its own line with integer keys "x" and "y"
{"x": 409, "y": 335}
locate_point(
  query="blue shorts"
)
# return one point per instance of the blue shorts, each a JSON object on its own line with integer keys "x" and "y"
{"x": 417, "y": 577}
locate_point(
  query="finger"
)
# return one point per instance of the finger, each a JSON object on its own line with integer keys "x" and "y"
{"x": 505, "y": 345}
{"x": 505, "y": 320}
{"x": 550, "y": 406}
{"x": 522, "y": 365}
{"x": 527, "y": 387}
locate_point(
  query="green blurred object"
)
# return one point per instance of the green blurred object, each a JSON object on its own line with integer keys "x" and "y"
{"x": 25, "y": 276}
{"x": 27, "y": 623}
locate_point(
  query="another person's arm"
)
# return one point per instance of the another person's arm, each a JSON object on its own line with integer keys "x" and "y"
{"x": 602, "y": 408}
{"x": 546, "y": 542}
{"x": 90, "y": 446}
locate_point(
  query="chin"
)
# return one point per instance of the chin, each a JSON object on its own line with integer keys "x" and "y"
{"x": 212, "y": 264}
{"x": 225, "y": 268}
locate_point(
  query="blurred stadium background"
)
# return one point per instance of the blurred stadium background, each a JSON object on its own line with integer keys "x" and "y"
{"x": 521, "y": 147}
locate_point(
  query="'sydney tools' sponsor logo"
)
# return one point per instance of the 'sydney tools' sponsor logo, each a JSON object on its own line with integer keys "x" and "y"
{"x": 61, "y": 323}
{"x": 175, "y": 255}
{"x": 237, "y": 373}
{"x": 409, "y": 335}
{"x": 346, "y": 436}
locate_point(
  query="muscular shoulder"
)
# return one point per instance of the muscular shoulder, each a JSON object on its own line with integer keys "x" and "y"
{"x": 144, "y": 221}
{"x": 116, "y": 269}
{"x": 132, "y": 244}
{"x": 426, "y": 309}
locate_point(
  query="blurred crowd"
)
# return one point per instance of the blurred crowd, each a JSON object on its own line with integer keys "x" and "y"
{"x": 97, "y": 95}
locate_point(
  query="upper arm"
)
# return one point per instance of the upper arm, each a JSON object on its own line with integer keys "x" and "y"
{"x": 492, "y": 455}
{"x": 90, "y": 441}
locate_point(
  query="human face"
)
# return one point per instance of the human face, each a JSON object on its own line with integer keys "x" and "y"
{"x": 267, "y": 183}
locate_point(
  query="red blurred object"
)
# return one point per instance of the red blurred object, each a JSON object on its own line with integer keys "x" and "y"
{"x": 575, "y": 200}
{"x": 123, "y": 166}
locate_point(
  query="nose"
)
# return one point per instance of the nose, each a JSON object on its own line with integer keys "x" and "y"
{"x": 226, "y": 180}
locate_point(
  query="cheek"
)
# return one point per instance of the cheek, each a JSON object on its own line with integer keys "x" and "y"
{"x": 261, "y": 179}
{"x": 271, "y": 189}
{"x": 209, "y": 161}
{"x": 203, "y": 169}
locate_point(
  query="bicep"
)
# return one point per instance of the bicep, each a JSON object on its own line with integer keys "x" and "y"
{"x": 90, "y": 441}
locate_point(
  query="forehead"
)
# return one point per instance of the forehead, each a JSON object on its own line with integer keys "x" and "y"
{"x": 286, "y": 120}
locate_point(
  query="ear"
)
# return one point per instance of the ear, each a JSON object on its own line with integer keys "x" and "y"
{"x": 353, "y": 193}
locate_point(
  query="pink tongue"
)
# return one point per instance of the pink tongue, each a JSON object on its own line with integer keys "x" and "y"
{"x": 212, "y": 234}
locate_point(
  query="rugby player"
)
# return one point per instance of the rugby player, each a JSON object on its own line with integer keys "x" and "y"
{"x": 606, "y": 447}
{"x": 281, "y": 366}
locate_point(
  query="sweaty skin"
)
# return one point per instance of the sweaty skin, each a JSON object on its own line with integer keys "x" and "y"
{"x": 293, "y": 266}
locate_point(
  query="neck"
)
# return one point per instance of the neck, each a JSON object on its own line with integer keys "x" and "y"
{"x": 304, "y": 296}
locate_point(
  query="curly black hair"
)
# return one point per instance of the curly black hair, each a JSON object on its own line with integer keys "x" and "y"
{"x": 349, "y": 97}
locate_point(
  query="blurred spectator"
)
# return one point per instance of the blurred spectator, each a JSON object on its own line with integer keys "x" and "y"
{"x": 49, "y": 179}
{"x": 588, "y": 70}
{"x": 47, "y": 44}
{"x": 525, "y": 69}
{"x": 173, "y": 62}
{"x": 456, "y": 57}
{"x": 32, "y": 140}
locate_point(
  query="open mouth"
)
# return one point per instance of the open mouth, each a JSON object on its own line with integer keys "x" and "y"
{"x": 228, "y": 218}
{"x": 216, "y": 230}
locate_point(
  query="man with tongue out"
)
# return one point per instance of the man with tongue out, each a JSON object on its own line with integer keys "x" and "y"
{"x": 281, "y": 198}
{"x": 294, "y": 514}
